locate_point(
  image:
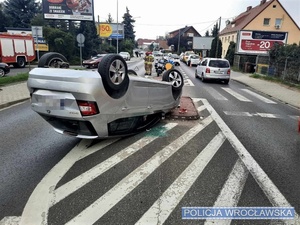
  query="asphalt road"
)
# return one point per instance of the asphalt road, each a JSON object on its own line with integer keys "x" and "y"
{"x": 244, "y": 151}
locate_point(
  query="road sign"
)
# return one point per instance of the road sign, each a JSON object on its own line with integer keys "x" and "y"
{"x": 80, "y": 45}
{"x": 80, "y": 38}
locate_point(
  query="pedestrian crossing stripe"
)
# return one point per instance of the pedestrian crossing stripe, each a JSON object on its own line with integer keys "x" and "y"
{"x": 36, "y": 211}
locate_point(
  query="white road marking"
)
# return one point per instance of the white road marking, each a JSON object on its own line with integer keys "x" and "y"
{"x": 189, "y": 82}
{"x": 201, "y": 108}
{"x": 215, "y": 94}
{"x": 267, "y": 115}
{"x": 163, "y": 207}
{"x": 10, "y": 220}
{"x": 36, "y": 209}
{"x": 231, "y": 191}
{"x": 236, "y": 95}
{"x": 259, "y": 97}
{"x": 231, "y": 113}
{"x": 265, "y": 183}
{"x": 264, "y": 115}
{"x": 78, "y": 182}
{"x": 102, "y": 205}
{"x": 294, "y": 117}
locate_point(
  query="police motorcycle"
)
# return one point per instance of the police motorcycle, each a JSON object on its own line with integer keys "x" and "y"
{"x": 163, "y": 64}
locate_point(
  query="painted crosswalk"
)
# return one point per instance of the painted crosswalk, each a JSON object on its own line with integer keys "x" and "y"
{"x": 163, "y": 206}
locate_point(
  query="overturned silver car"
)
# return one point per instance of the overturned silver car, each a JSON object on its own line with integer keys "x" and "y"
{"x": 112, "y": 101}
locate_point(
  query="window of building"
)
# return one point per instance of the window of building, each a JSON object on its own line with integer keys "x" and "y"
{"x": 278, "y": 22}
{"x": 229, "y": 39}
{"x": 274, "y": 6}
{"x": 190, "y": 34}
{"x": 232, "y": 37}
{"x": 267, "y": 21}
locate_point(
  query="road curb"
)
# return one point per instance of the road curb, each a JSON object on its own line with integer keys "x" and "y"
{"x": 5, "y": 105}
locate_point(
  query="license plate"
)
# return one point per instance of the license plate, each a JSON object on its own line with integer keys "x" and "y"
{"x": 53, "y": 103}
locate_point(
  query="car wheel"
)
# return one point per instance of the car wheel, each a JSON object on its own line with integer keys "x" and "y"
{"x": 196, "y": 74}
{"x": 114, "y": 73}
{"x": 2, "y": 72}
{"x": 175, "y": 77}
{"x": 202, "y": 78}
{"x": 226, "y": 81}
{"x": 52, "y": 60}
{"x": 21, "y": 62}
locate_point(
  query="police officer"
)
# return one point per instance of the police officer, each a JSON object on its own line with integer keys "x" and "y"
{"x": 149, "y": 59}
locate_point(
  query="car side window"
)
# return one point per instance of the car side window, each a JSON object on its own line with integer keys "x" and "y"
{"x": 204, "y": 63}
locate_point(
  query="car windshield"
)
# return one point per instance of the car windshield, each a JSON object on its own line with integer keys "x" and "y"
{"x": 195, "y": 56}
{"x": 218, "y": 63}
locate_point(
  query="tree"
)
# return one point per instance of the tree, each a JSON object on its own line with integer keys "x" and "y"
{"x": 128, "y": 26}
{"x": 110, "y": 19}
{"x": 214, "y": 45}
{"x": 3, "y": 18}
{"x": 206, "y": 34}
{"x": 230, "y": 52}
{"x": 92, "y": 39}
{"x": 21, "y": 12}
{"x": 215, "y": 30}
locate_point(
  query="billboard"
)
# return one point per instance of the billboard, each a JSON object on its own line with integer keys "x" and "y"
{"x": 259, "y": 42}
{"x": 68, "y": 9}
{"x": 111, "y": 30}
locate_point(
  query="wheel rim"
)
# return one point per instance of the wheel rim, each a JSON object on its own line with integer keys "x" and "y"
{"x": 175, "y": 78}
{"x": 117, "y": 72}
{"x": 2, "y": 73}
{"x": 55, "y": 63}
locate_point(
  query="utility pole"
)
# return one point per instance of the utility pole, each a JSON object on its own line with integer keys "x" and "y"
{"x": 217, "y": 38}
{"x": 117, "y": 27}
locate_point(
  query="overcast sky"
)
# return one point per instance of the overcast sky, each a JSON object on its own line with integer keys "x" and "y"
{"x": 158, "y": 17}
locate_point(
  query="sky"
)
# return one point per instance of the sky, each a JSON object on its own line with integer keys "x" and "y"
{"x": 157, "y": 17}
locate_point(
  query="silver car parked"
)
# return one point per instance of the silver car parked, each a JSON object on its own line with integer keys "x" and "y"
{"x": 213, "y": 69}
{"x": 112, "y": 101}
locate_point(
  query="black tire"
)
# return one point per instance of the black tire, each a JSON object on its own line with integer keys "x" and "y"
{"x": 52, "y": 59}
{"x": 114, "y": 73}
{"x": 132, "y": 72}
{"x": 196, "y": 74}
{"x": 2, "y": 72}
{"x": 175, "y": 77}
{"x": 202, "y": 78}
{"x": 21, "y": 62}
{"x": 226, "y": 81}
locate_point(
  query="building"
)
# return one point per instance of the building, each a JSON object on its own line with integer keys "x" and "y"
{"x": 187, "y": 34}
{"x": 145, "y": 44}
{"x": 269, "y": 17}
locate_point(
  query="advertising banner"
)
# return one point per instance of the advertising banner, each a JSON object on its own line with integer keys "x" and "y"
{"x": 259, "y": 42}
{"x": 68, "y": 9}
{"x": 111, "y": 30}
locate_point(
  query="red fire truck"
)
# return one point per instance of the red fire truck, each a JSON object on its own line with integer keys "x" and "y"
{"x": 16, "y": 49}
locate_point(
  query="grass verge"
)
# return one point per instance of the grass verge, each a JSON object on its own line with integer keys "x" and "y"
{"x": 13, "y": 79}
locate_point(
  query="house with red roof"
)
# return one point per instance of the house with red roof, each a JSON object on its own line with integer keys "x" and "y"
{"x": 263, "y": 24}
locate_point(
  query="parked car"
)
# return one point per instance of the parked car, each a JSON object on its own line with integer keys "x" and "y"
{"x": 4, "y": 69}
{"x": 175, "y": 58}
{"x": 103, "y": 103}
{"x": 193, "y": 60}
{"x": 93, "y": 62}
{"x": 125, "y": 55}
{"x": 213, "y": 69}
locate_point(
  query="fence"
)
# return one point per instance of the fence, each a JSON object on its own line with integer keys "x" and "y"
{"x": 284, "y": 68}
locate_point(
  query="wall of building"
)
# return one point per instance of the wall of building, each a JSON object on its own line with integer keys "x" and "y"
{"x": 226, "y": 39}
{"x": 274, "y": 13}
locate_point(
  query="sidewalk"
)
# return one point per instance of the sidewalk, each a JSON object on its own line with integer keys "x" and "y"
{"x": 15, "y": 93}
{"x": 277, "y": 91}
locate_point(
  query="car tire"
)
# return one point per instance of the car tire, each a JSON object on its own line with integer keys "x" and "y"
{"x": 2, "y": 72}
{"x": 21, "y": 62}
{"x": 114, "y": 73}
{"x": 196, "y": 74}
{"x": 226, "y": 81}
{"x": 175, "y": 77}
{"x": 202, "y": 78}
{"x": 52, "y": 60}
